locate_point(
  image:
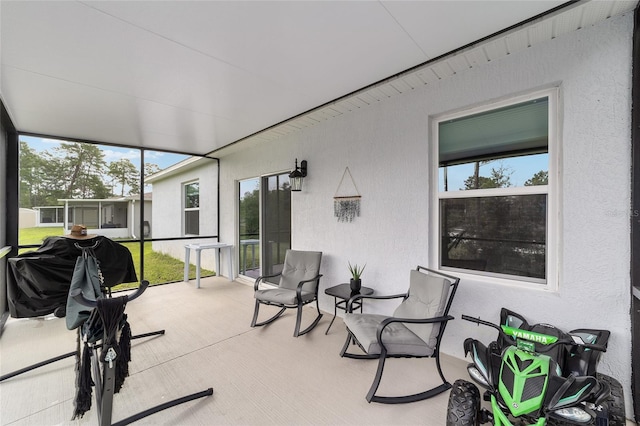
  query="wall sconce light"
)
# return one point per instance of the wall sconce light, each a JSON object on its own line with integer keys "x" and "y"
{"x": 296, "y": 176}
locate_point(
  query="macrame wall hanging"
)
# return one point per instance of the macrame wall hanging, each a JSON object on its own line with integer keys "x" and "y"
{"x": 346, "y": 201}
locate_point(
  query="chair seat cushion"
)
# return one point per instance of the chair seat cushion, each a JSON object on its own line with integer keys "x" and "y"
{"x": 397, "y": 338}
{"x": 282, "y": 296}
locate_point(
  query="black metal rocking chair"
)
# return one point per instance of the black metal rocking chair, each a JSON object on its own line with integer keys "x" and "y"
{"x": 298, "y": 286}
{"x": 414, "y": 331}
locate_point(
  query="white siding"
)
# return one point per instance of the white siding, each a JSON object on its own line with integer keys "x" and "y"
{"x": 168, "y": 210}
{"x": 387, "y": 146}
{"x": 27, "y": 218}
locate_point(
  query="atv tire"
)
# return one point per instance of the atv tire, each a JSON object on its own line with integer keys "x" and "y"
{"x": 464, "y": 404}
{"x": 615, "y": 403}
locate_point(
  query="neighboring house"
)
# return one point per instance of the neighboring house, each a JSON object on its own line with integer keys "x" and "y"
{"x": 189, "y": 191}
{"x": 111, "y": 217}
{"x": 49, "y": 216}
{"x": 134, "y": 211}
{"x": 28, "y": 218}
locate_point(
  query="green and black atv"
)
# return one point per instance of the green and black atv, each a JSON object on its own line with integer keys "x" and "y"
{"x": 536, "y": 375}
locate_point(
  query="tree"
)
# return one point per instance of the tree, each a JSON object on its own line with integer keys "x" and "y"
{"x": 499, "y": 178}
{"x": 79, "y": 168}
{"x": 43, "y": 177}
{"x": 31, "y": 178}
{"x": 150, "y": 169}
{"x": 125, "y": 174}
{"x": 250, "y": 212}
{"x": 540, "y": 178}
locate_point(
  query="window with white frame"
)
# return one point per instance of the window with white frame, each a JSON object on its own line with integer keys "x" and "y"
{"x": 495, "y": 187}
{"x": 192, "y": 208}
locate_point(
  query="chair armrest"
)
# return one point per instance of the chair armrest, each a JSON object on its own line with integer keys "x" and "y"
{"x": 301, "y": 283}
{"x": 262, "y": 278}
{"x": 353, "y": 299}
{"x": 390, "y": 320}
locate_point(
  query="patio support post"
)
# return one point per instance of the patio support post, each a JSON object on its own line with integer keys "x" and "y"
{"x": 66, "y": 217}
{"x": 635, "y": 215}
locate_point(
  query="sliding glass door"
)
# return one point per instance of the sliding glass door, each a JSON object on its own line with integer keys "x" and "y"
{"x": 249, "y": 228}
{"x": 264, "y": 224}
{"x": 276, "y": 220}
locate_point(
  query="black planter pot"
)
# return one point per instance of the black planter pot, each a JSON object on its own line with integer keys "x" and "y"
{"x": 355, "y": 285}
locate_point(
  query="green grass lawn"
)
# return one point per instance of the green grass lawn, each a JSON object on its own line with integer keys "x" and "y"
{"x": 158, "y": 268}
{"x": 28, "y": 236}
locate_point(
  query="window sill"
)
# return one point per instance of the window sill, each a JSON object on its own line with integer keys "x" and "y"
{"x": 465, "y": 275}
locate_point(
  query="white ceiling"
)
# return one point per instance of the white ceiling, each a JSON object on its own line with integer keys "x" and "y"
{"x": 195, "y": 76}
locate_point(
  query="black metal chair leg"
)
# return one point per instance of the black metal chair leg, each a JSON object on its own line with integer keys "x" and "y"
{"x": 440, "y": 368}
{"x": 377, "y": 378}
{"x": 255, "y": 313}
{"x": 297, "y": 332}
{"x": 445, "y": 386}
{"x": 255, "y": 316}
{"x": 346, "y": 344}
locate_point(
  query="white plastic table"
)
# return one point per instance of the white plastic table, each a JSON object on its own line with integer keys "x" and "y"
{"x": 198, "y": 248}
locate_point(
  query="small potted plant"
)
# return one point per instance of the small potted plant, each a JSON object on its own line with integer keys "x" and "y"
{"x": 356, "y": 273}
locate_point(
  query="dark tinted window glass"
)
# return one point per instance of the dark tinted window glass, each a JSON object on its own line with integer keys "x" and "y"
{"x": 505, "y": 234}
{"x": 192, "y": 222}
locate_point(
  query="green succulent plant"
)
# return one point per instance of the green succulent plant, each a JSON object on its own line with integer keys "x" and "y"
{"x": 356, "y": 271}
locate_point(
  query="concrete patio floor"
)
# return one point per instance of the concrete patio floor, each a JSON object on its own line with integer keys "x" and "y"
{"x": 260, "y": 376}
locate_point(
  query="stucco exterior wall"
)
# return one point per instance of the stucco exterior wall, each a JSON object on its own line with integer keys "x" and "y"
{"x": 168, "y": 210}
{"x": 387, "y": 149}
{"x": 134, "y": 224}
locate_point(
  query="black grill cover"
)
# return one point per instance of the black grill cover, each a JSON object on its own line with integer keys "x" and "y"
{"x": 38, "y": 282}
